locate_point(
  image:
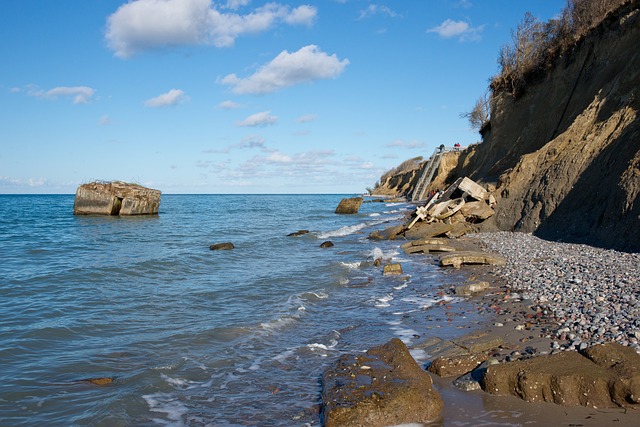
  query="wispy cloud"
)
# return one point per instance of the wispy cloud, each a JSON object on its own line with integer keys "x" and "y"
{"x": 230, "y": 105}
{"x": 263, "y": 118}
{"x": 287, "y": 69}
{"x": 460, "y": 29}
{"x": 104, "y": 120}
{"x": 376, "y": 9}
{"x": 402, "y": 144}
{"x": 247, "y": 143}
{"x": 141, "y": 25}
{"x": 78, "y": 94}
{"x": 171, "y": 98}
{"x": 306, "y": 118}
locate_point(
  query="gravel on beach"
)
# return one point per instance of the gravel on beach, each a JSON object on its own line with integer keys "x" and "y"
{"x": 591, "y": 294}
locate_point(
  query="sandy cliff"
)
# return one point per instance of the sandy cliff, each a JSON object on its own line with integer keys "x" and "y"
{"x": 565, "y": 156}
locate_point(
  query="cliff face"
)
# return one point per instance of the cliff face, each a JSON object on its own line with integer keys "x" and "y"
{"x": 400, "y": 184}
{"x": 565, "y": 157}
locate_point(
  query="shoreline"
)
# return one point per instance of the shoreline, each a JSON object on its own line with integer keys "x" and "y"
{"x": 529, "y": 307}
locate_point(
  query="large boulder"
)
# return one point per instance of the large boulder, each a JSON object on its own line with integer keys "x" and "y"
{"x": 382, "y": 387}
{"x": 115, "y": 198}
{"x": 624, "y": 364}
{"x": 349, "y": 205}
{"x": 477, "y": 211}
{"x": 604, "y": 376}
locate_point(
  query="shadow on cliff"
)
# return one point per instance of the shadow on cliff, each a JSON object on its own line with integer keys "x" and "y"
{"x": 597, "y": 210}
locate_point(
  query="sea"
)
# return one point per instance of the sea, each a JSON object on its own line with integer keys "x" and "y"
{"x": 134, "y": 321}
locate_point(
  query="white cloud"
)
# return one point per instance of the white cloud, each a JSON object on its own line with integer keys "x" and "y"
{"x": 287, "y": 69}
{"x": 105, "y": 120}
{"x": 140, "y": 25}
{"x": 278, "y": 157}
{"x": 450, "y": 28}
{"x": 229, "y": 105}
{"x": 306, "y": 118}
{"x": 173, "y": 97}
{"x": 263, "y": 118}
{"x": 79, "y": 94}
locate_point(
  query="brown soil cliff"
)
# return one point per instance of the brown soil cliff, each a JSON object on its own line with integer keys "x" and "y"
{"x": 565, "y": 156}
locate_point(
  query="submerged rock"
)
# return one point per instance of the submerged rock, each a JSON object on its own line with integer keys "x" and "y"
{"x": 115, "y": 198}
{"x": 298, "y": 233}
{"x": 382, "y": 387}
{"x": 392, "y": 269}
{"x": 326, "y": 244}
{"x": 222, "y": 246}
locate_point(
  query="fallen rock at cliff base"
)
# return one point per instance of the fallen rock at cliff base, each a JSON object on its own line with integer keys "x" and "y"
{"x": 390, "y": 233}
{"x": 471, "y": 257}
{"x": 349, "y": 205}
{"x": 384, "y": 386}
{"x": 603, "y": 376}
{"x": 477, "y": 211}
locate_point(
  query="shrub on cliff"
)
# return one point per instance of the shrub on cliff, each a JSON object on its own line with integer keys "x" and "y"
{"x": 405, "y": 166}
{"x": 535, "y": 45}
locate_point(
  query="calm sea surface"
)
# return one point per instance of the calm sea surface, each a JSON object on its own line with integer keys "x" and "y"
{"x": 194, "y": 337}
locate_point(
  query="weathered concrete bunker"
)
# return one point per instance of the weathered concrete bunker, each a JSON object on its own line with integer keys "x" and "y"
{"x": 115, "y": 198}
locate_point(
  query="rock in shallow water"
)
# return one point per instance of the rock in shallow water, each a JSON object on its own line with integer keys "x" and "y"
{"x": 349, "y": 205}
{"x": 382, "y": 387}
{"x": 222, "y": 246}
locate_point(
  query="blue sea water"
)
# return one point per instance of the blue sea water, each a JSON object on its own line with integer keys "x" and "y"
{"x": 193, "y": 337}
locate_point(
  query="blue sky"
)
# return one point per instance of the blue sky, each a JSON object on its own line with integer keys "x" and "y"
{"x": 240, "y": 96}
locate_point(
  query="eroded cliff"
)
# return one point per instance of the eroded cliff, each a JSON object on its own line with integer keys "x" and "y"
{"x": 564, "y": 157}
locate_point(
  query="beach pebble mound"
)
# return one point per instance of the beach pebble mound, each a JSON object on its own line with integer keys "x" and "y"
{"x": 592, "y": 293}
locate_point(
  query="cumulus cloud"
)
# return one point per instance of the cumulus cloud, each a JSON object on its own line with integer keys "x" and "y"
{"x": 263, "y": 118}
{"x": 141, "y": 25}
{"x": 173, "y": 97}
{"x": 287, "y": 69}
{"x": 78, "y": 94}
{"x": 460, "y": 29}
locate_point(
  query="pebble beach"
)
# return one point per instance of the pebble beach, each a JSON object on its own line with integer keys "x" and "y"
{"x": 587, "y": 295}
